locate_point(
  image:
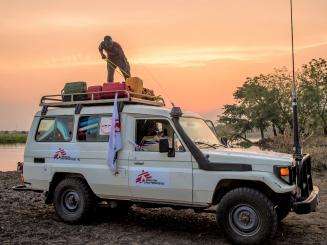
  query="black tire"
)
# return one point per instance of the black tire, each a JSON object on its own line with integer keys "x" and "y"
{"x": 73, "y": 200}
{"x": 247, "y": 216}
{"x": 282, "y": 211}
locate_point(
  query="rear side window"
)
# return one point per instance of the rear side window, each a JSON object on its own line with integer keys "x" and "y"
{"x": 55, "y": 129}
{"x": 93, "y": 128}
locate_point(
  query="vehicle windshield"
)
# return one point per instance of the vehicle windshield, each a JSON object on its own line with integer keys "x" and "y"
{"x": 200, "y": 133}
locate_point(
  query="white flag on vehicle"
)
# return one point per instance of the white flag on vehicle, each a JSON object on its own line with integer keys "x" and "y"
{"x": 115, "y": 142}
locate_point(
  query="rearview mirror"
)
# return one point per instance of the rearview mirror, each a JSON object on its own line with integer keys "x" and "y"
{"x": 224, "y": 141}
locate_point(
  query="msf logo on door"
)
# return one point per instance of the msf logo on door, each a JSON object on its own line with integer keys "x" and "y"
{"x": 143, "y": 177}
{"x": 60, "y": 153}
{"x": 65, "y": 155}
{"x": 151, "y": 178}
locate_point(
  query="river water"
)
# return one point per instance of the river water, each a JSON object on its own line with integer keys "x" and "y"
{"x": 10, "y": 155}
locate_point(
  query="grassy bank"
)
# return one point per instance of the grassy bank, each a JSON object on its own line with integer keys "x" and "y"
{"x": 13, "y": 137}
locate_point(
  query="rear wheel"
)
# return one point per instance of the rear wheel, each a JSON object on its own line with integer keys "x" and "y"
{"x": 247, "y": 216}
{"x": 73, "y": 200}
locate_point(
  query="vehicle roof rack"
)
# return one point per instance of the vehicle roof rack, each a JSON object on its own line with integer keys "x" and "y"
{"x": 93, "y": 98}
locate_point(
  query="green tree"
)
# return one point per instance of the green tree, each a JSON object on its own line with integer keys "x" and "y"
{"x": 253, "y": 98}
{"x": 253, "y": 110}
{"x": 313, "y": 95}
{"x": 279, "y": 86}
{"x": 264, "y": 101}
{"x": 234, "y": 116}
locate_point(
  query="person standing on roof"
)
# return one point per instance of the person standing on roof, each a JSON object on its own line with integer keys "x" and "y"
{"x": 115, "y": 57}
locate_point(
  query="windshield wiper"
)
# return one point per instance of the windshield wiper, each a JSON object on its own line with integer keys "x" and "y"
{"x": 220, "y": 145}
{"x": 204, "y": 143}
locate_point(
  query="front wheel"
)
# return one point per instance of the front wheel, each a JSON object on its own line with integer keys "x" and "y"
{"x": 247, "y": 216}
{"x": 282, "y": 211}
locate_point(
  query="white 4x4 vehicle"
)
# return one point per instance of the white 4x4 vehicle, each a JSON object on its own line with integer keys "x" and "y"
{"x": 169, "y": 158}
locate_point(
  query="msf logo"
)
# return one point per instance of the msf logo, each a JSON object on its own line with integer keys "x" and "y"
{"x": 59, "y": 154}
{"x": 143, "y": 177}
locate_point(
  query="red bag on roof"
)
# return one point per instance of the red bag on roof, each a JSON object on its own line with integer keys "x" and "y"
{"x": 95, "y": 90}
{"x": 109, "y": 90}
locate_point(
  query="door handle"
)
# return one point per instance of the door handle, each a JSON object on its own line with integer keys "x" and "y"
{"x": 39, "y": 160}
{"x": 138, "y": 163}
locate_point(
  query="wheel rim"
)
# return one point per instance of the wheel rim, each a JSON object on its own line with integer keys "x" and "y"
{"x": 244, "y": 220}
{"x": 71, "y": 200}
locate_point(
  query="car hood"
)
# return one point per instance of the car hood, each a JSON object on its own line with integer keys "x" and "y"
{"x": 258, "y": 159}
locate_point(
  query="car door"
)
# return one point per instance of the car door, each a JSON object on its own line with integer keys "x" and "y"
{"x": 92, "y": 140}
{"x": 51, "y": 145}
{"x": 155, "y": 176}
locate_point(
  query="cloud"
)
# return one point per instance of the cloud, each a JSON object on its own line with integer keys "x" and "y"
{"x": 170, "y": 56}
{"x": 184, "y": 57}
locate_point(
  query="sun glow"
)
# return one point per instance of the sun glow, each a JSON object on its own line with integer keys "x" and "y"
{"x": 212, "y": 45}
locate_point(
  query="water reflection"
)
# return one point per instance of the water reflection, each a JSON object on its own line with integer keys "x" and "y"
{"x": 9, "y": 156}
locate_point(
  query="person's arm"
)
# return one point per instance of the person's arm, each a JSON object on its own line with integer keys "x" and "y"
{"x": 103, "y": 56}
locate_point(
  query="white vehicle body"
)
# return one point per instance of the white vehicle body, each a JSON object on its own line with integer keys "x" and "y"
{"x": 174, "y": 180}
{"x": 168, "y": 158}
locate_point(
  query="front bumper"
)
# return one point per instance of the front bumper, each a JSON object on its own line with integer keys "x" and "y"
{"x": 308, "y": 205}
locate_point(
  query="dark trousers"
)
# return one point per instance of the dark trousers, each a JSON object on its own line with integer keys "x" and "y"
{"x": 123, "y": 67}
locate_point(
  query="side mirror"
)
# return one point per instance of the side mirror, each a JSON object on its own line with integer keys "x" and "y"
{"x": 163, "y": 145}
{"x": 224, "y": 141}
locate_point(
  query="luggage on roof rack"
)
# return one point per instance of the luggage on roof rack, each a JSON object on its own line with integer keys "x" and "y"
{"x": 78, "y": 88}
{"x": 94, "y": 91}
{"x": 93, "y": 98}
{"x": 77, "y": 94}
{"x": 135, "y": 84}
{"x": 109, "y": 90}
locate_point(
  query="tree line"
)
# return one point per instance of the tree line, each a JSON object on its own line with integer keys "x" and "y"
{"x": 264, "y": 102}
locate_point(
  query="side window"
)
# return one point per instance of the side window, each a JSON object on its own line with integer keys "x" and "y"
{"x": 150, "y": 131}
{"x": 55, "y": 129}
{"x": 93, "y": 128}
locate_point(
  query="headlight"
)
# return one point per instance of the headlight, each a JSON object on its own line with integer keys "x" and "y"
{"x": 285, "y": 173}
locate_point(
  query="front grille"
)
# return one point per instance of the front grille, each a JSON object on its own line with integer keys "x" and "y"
{"x": 304, "y": 177}
{"x": 293, "y": 175}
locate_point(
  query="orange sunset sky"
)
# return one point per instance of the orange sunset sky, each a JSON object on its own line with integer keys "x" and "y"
{"x": 200, "y": 51}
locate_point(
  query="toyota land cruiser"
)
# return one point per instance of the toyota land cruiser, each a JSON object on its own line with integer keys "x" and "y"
{"x": 169, "y": 158}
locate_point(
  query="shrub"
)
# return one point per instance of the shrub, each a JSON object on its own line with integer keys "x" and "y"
{"x": 11, "y": 138}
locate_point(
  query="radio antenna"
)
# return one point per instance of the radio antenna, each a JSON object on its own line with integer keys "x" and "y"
{"x": 159, "y": 85}
{"x": 296, "y": 133}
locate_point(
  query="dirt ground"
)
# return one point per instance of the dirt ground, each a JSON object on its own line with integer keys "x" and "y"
{"x": 25, "y": 219}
